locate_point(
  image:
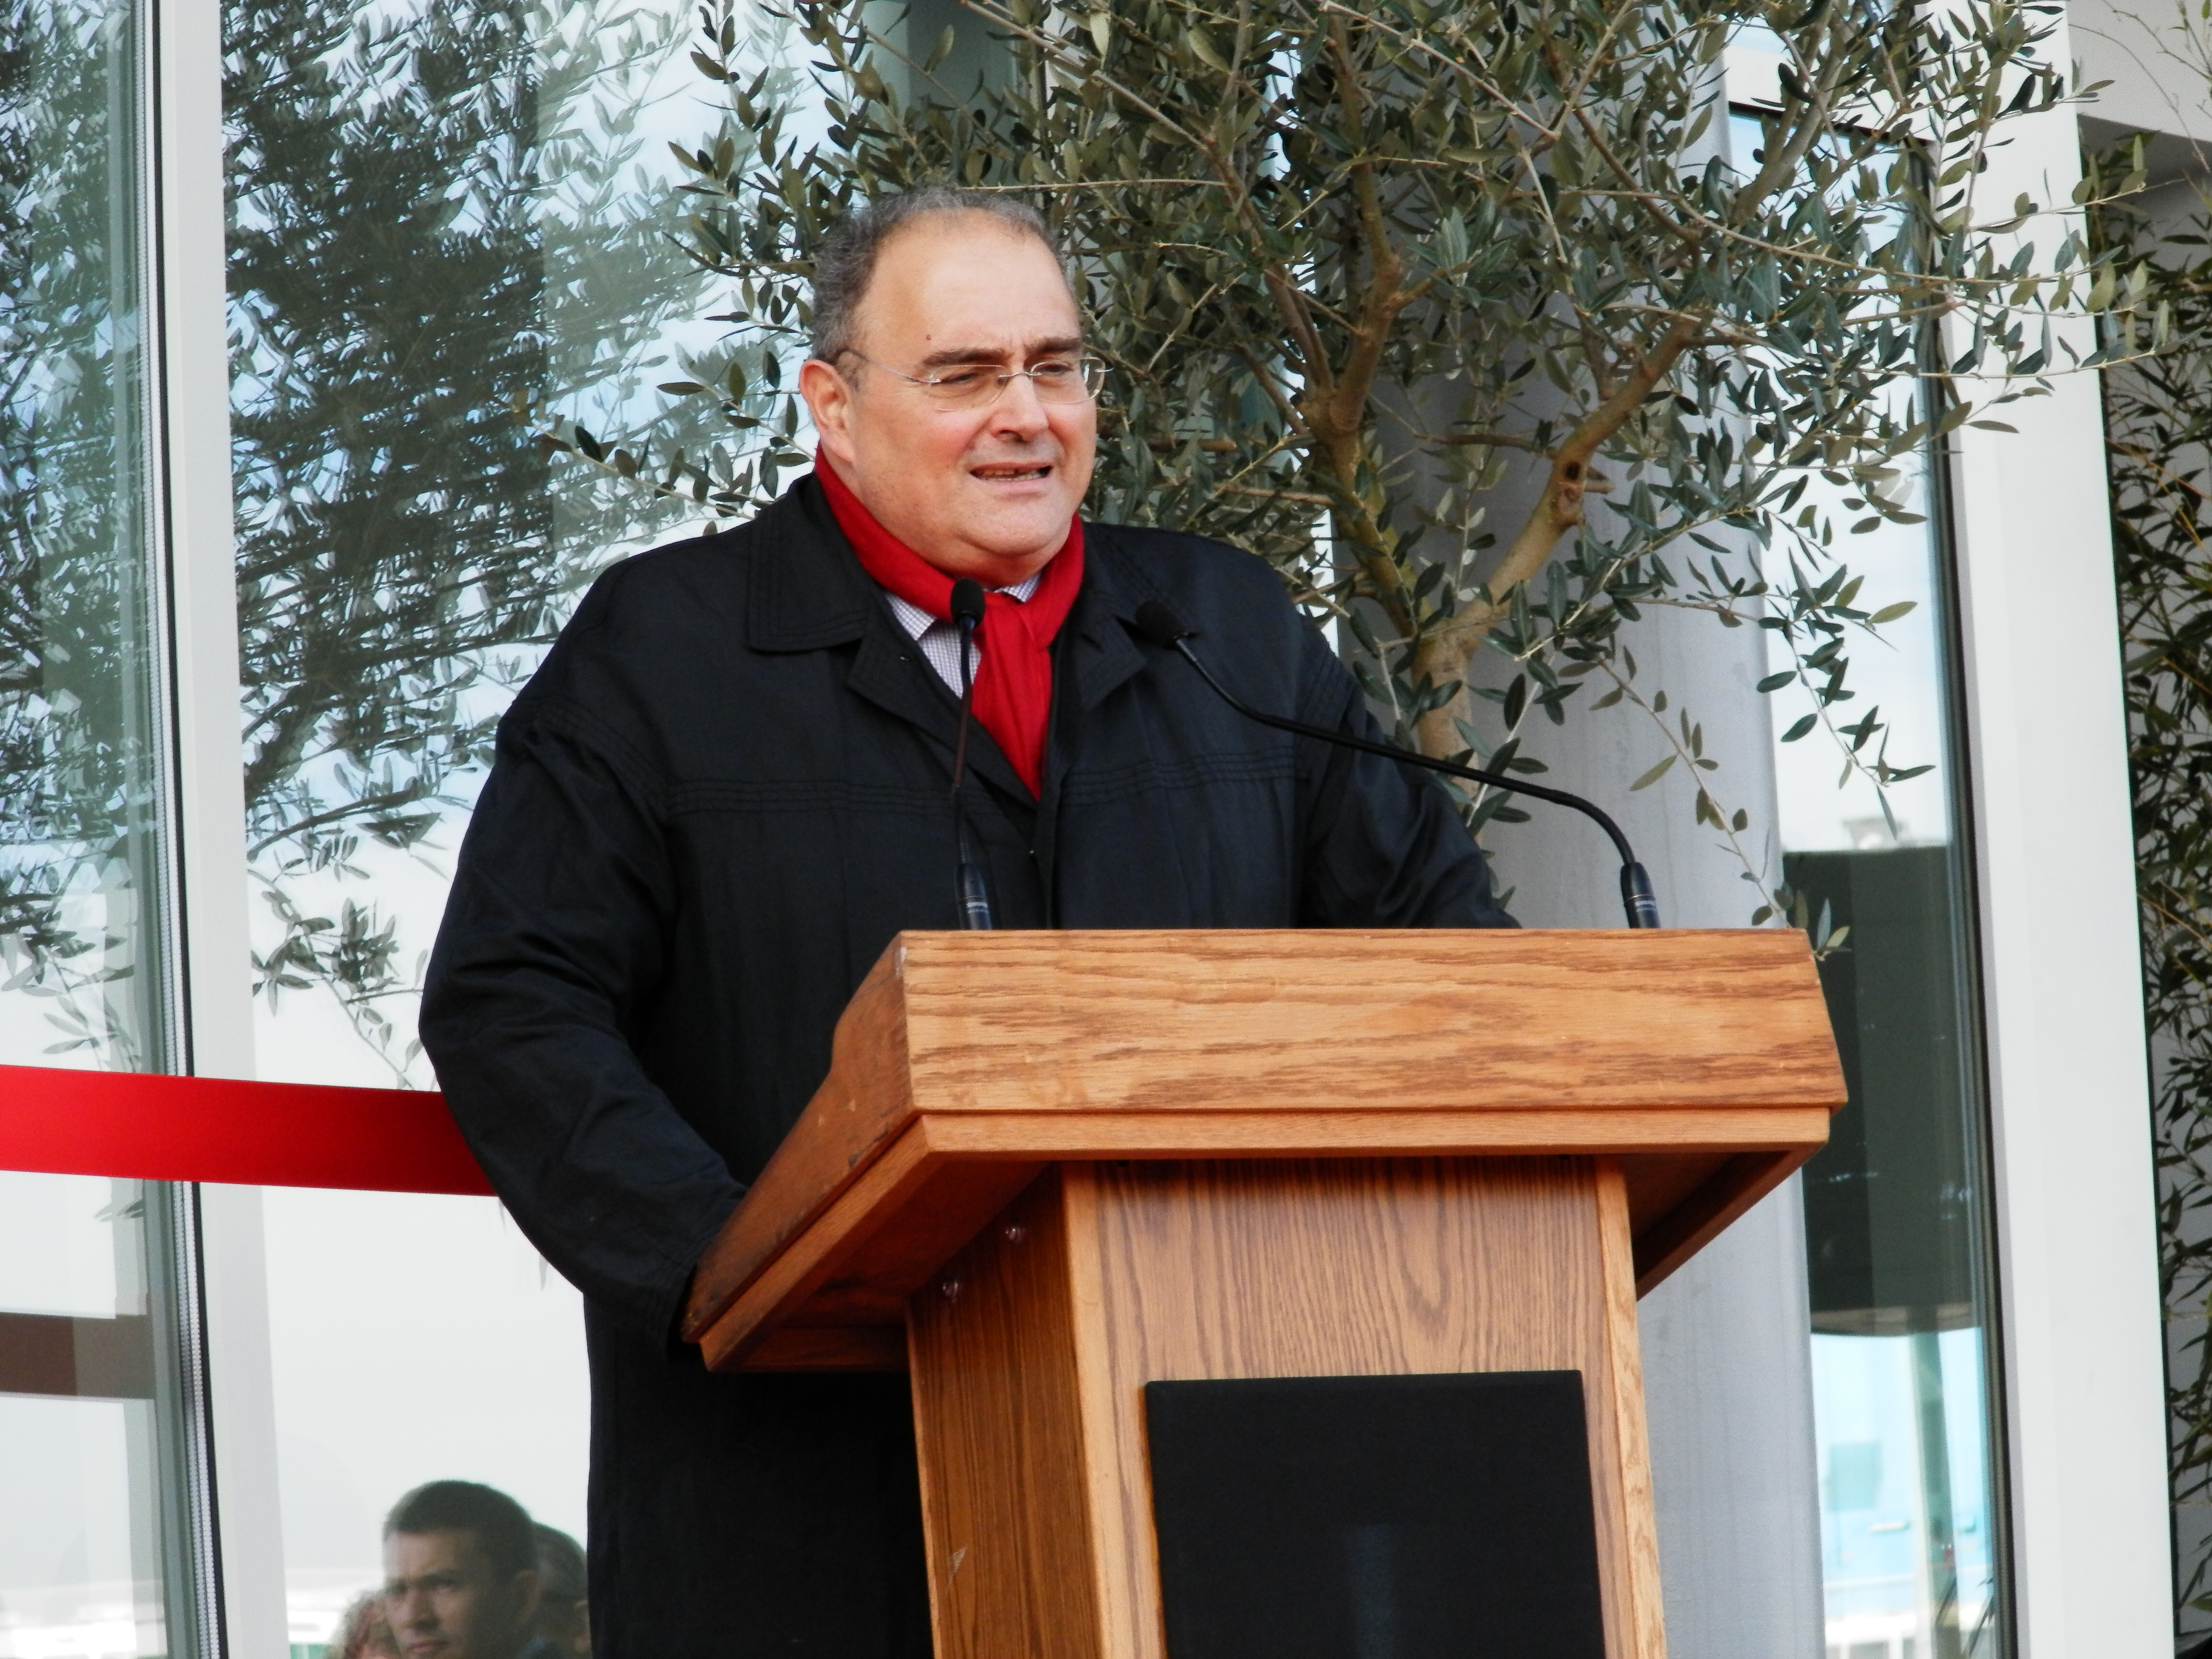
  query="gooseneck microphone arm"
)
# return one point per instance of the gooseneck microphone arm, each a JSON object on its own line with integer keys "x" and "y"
{"x": 971, "y": 896}
{"x": 1165, "y": 630}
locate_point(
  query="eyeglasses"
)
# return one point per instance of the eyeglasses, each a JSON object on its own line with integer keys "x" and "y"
{"x": 978, "y": 386}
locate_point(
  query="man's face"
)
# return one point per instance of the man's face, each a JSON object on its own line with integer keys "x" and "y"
{"x": 987, "y": 492}
{"x": 445, "y": 1600}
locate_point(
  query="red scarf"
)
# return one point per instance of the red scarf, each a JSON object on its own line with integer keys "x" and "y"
{"x": 1013, "y": 679}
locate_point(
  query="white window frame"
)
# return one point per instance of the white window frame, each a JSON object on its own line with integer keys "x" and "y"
{"x": 192, "y": 388}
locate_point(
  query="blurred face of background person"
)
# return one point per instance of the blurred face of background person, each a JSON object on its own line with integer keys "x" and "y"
{"x": 364, "y": 1632}
{"x": 445, "y": 1600}
{"x": 564, "y": 1613}
{"x": 984, "y": 491}
{"x": 565, "y": 1626}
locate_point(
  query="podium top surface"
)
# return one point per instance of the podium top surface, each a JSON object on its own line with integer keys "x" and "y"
{"x": 1688, "y": 1049}
{"x": 1278, "y": 1020}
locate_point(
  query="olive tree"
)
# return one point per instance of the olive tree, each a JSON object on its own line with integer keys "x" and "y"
{"x": 1474, "y": 320}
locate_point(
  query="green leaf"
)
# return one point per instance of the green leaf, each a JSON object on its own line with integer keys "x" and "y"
{"x": 1652, "y": 776}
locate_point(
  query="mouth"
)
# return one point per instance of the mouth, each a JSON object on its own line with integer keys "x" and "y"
{"x": 1011, "y": 472}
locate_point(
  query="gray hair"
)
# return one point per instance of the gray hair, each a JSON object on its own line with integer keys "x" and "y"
{"x": 846, "y": 260}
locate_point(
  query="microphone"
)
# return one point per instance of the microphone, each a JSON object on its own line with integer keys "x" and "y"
{"x": 1158, "y": 623}
{"x": 969, "y": 894}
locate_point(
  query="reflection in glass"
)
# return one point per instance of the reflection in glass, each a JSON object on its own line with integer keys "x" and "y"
{"x": 1869, "y": 808}
{"x": 102, "y": 1543}
{"x": 80, "y": 861}
{"x": 446, "y": 222}
{"x": 1895, "y": 1206}
{"x": 447, "y": 219}
{"x": 98, "y": 1366}
{"x": 413, "y": 1338}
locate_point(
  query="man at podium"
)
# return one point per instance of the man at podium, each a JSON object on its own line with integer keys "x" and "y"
{"x": 729, "y": 787}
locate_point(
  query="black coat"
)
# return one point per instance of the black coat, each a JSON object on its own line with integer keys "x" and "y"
{"x": 711, "y": 809}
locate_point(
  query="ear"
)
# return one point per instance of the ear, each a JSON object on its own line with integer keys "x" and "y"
{"x": 829, "y": 400}
{"x": 527, "y": 1588}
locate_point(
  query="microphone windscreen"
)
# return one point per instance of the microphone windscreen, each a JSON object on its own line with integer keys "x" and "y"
{"x": 968, "y": 601}
{"x": 1160, "y": 625}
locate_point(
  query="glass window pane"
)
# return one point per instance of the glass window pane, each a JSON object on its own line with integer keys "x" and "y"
{"x": 80, "y": 863}
{"x": 447, "y": 223}
{"x": 416, "y": 1338}
{"x": 1897, "y": 1242}
{"x": 447, "y": 220}
{"x": 1896, "y": 1206}
{"x": 103, "y": 1542}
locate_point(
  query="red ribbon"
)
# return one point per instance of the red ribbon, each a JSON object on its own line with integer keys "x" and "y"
{"x": 203, "y": 1128}
{"x": 1013, "y": 683}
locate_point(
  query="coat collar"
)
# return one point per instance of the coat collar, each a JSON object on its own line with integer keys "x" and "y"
{"x": 808, "y": 590}
{"x": 1114, "y": 586}
{"x": 809, "y": 593}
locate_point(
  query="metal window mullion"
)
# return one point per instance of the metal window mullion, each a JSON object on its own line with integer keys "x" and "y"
{"x": 222, "y": 1526}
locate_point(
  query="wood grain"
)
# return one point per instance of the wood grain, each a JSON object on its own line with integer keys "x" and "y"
{"x": 1263, "y": 1155}
{"x": 998, "y": 1421}
{"x": 1107, "y": 1133}
{"x": 1351, "y": 1267}
{"x": 1165, "y": 1044}
{"x": 885, "y": 1235}
{"x": 1698, "y": 1219}
{"x": 1031, "y": 1349}
{"x": 858, "y": 1260}
{"x": 830, "y": 1348}
{"x": 1643, "y": 1634}
{"x": 1330, "y": 1020}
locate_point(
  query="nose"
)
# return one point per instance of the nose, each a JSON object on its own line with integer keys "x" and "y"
{"x": 1020, "y": 412}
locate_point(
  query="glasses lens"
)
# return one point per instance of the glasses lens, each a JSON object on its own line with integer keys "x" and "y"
{"x": 964, "y": 387}
{"x": 1057, "y": 380}
{"x": 1067, "y": 380}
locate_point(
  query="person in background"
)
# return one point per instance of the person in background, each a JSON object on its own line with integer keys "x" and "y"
{"x": 461, "y": 1579}
{"x": 363, "y": 1632}
{"x": 564, "y": 1614}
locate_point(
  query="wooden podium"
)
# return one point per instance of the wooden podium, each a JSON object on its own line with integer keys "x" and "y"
{"x": 1048, "y": 1169}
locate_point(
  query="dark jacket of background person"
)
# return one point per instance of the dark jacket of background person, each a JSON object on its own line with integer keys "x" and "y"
{"x": 712, "y": 808}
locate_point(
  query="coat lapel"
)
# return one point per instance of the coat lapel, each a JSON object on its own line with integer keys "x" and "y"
{"x": 811, "y": 593}
{"x": 890, "y": 672}
{"x": 808, "y": 591}
{"x": 1105, "y": 656}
